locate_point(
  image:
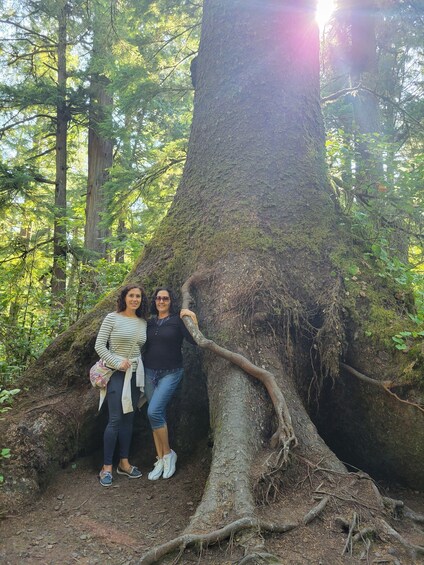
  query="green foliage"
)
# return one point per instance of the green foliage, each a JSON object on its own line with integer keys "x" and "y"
{"x": 412, "y": 280}
{"x": 404, "y": 340}
{"x": 145, "y": 63}
{"x": 6, "y": 397}
{"x": 376, "y": 163}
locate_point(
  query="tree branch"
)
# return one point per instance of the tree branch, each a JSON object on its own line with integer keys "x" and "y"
{"x": 25, "y": 120}
{"x": 360, "y": 88}
{"x": 29, "y": 31}
{"x": 339, "y": 94}
{"x": 27, "y": 251}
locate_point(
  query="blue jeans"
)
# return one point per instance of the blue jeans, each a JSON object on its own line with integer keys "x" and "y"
{"x": 120, "y": 426}
{"x": 160, "y": 386}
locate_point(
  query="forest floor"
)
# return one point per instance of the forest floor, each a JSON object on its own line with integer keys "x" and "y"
{"x": 76, "y": 521}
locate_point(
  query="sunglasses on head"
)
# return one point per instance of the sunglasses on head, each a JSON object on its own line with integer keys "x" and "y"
{"x": 162, "y": 299}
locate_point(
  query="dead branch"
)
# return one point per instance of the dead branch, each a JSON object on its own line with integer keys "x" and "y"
{"x": 339, "y": 94}
{"x": 26, "y": 252}
{"x": 316, "y": 511}
{"x": 348, "y": 544}
{"x": 352, "y": 499}
{"x": 355, "y": 90}
{"x": 284, "y": 436}
{"x": 385, "y": 385}
{"x": 182, "y": 542}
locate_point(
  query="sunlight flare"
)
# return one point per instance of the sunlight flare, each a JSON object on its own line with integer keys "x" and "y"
{"x": 323, "y": 13}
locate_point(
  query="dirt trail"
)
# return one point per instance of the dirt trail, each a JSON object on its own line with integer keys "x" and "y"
{"x": 77, "y": 521}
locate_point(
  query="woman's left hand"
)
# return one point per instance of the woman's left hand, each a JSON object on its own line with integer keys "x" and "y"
{"x": 190, "y": 314}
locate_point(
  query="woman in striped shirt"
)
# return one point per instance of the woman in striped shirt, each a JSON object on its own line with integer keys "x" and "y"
{"x": 119, "y": 342}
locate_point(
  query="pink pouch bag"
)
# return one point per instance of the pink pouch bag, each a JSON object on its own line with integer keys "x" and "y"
{"x": 100, "y": 374}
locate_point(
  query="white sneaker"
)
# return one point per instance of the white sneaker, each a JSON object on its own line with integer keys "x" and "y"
{"x": 157, "y": 470}
{"x": 169, "y": 461}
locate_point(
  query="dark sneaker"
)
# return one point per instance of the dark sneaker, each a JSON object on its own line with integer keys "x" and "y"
{"x": 157, "y": 470}
{"x": 169, "y": 461}
{"x": 105, "y": 478}
{"x": 133, "y": 473}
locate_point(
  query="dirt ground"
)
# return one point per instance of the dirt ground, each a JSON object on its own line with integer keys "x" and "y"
{"x": 76, "y": 521}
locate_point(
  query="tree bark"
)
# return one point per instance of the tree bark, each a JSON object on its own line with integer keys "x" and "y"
{"x": 59, "y": 230}
{"x": 100, "y": 142}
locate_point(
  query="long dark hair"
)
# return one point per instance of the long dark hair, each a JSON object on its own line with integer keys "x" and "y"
{"x": 142, "y": 310}
{"x": 173, "y": 307}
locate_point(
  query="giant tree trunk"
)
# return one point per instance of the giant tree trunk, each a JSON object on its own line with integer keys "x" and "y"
{"x": 255, "y": 165}
{"x": 253, "y": 218}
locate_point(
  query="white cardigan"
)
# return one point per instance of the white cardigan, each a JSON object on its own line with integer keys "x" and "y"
{"x": 119, "y": 338}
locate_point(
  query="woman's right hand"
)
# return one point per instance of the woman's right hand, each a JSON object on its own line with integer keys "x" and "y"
{"x": 125, "y": 364}
{"x": 190, "y": 314}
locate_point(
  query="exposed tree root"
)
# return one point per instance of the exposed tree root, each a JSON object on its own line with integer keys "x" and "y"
{"x": 412, "y": 515}
{"x": 201, "y": 540}
{"x": 283, "y": 440}
{"x": 380, "y": 529}
{"x": 328, "y": 338}
{"x": 385, "y": 385}
{"x": 284, "y": 437}
{"x": 182, "y": 542}
{"x": 415, "y": 550}
{"x": 259, "y": 526}
{"x": 316, "y": 511}
{"x": 364, "y": 533}
{"x": 394, "y": 506}
{"x": 351, "y": 499}
{"x": 398, "y": 510}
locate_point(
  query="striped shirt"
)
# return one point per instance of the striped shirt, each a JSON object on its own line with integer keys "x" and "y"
{"x": 119, "y": 338}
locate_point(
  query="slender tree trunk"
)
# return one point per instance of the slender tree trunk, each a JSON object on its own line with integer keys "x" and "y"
{"x": 370, "y": 177}
{"x": 120, "y": 254}
{"x": 100, "y": 157}
{"x": 59, "y": 236}
{"x": 363, "y": 71}
{"x": 100, "y": 143}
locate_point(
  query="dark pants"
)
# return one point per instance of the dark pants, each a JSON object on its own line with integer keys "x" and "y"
{"x": 120, "y": 425}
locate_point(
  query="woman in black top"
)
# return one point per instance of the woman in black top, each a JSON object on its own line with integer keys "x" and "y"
{"x": 163, "y": 365}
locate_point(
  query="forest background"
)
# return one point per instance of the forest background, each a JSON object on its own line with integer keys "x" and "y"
{"x": 96, "y": 100}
